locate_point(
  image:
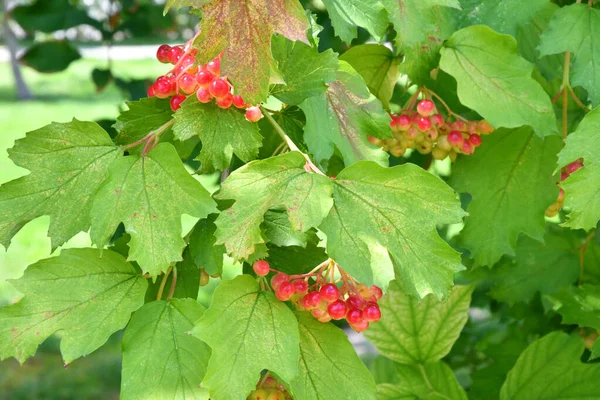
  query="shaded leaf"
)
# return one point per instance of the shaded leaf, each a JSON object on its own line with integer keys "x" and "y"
{"x": 50, "y": 56}
{"x": 502, "y": 16}
{"x": 51, "y": 15}
{"x": 578, "y": 305}
{"x": 347, "y": 15}
{"x": 141, "y": 118}
{"x": 205, "y": 253}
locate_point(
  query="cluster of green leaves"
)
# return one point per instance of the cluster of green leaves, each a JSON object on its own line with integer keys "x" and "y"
{"x": 529, "y": 284}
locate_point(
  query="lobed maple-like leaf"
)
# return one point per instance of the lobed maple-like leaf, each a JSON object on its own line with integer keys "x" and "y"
{"x": 68, "y": 162}
{"x": 347, "y": 15}
{"x": 241, "y": 30}
{"x": 148, "y": 195}
{"x": 141, "y": 118}
{"x": 249, "y": 330}
{"x": 278, "y": 182}
{"x": 85, "y": 297}
{"x": 343, "y": 117}
{"x": 576, "y": 28}
{"x": 504, "y": 16}
{"x": 385, "y": 219}
{"x": 511, "y": 184}
{"x": 497, "y": 84}
{"x": 578, "y": 305}
{"x": 160, "y": 360}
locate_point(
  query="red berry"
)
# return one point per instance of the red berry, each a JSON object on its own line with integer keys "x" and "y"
{"x": 337, "y": 309}
{"x": 360, "y": 327}
{"x": 475, "y": 140}
{"x": 371, "y": 312}
{"x": 426, "y": 108}
{"x": 313, "y": 300}
{"x": 238, "y": 102}
{"x": 356, "y": 302}
{"x": 354, "y": 316}
{"x": 455, "y": 138}
{"x": 377, "y": 292}
{"x": 175, "y": 54}
{"x": 403, "y": 122}
{"x": 204, "y": 96}
{"x": 225, "y": 101}
{"x": 162, "y": 54}
{"x": 187, "y": 83}
{"x": 437, "y": 120}
{"x": 204, "y": 79}
{"x": 563, "y": 176}
{"x": 214, "y": 66}
{"x": 278, "y": 279}
{"x": 424, "y": 124}
{"x": 300, "y": 286}
{"x": 458, "y": 126}
{"x": 176, "y": 101}
{"x": 329, "y": 292}
{"x": 285, "y": 291}
{"x": 163, "y": 87}
{"x": 151, "y": 92}
{"x": 218, "y": 88}
{"x": 261, "y": 268}
{"x": 254, "y": 114}
{"x": 574, "y": 166}
{"x": 467, "y": 148}
{"x": 318, "y": 313}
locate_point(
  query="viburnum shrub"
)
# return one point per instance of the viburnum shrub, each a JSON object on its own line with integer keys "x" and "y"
{"x": 272, "y": 204}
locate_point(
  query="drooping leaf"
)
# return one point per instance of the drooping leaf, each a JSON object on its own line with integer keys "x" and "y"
{"x": 86, "y": 297}
{"x": 413, "y": 332}
{"x": 248, "y": 330}
{"x": 50, "y": 56}
{"x": 575, "y": 28}
{"x": 509, "y": 179}
{"x": 502, "y": 16}
{"x": 279, "y": 232}
{"x": 148, "y": 195}
{"x": 205, "y": 253}
{"x": 378, "y": 66}
{"x": 241, "y": 30}
{"x": 550, "y": 368}
{"x": 415, "y": 20}
{"x": 223, "y": 133}
{"x": 545, "y": 267}
{"x": 329, "y": 369}
{"x": 142, "y": 117}
{"x": 68, "y": 162}
{"x": 160, "y": 360}
{"x": 278, "y": 182}
{"x": 347, "y": 15}
{"x": 384, "y": 216}
{"x": 578, "y": 305}
{"x": 343, "y": 117}
{"x": 498, "y": 85}
{"x": 50, "y": 16}
{"x": 306, "y": 71}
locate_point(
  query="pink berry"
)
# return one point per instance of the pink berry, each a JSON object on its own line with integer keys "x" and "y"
{"x": 151, "y": 92}
{"x": 300, "y": 286}
{"x": 219, "y": 88}
{"x": 458, "y": 126}
{"x": 176, "y": 101}
{"x": 371, "y": 312}
{"x": 475, "y": 140}
{"x": 437, "y": 120}
{"x": 318, "y": 313}
{"x": 261, "y": 268}
{"x": 162, "y": 54}
{"x": 204, "y": 96}
{"x": 254, "y": 114}
{"x": 424, "y": 124}
{"x": 563, "y": 176}
{"x": 204, "y": 79}
{"x": 313, "y": 299}
{"x": 225, "y": 101}
{"x": 285, "y": 291}
{"x": 574, "y": 166}
{"x": 337, "y": 309}
{"x": 426, "y": 108}
{"x": 354, "y": 316}
{"x": 467, "y": 148}
{"x": 329, "y": 292}
{"x": 175, "y": 54}
{"x": 403, "y": 122}
{"x": 355, "y": 302}
{"x": 377, "y": 292}
{"x": 360, "y": 327}
{"x": 238, "y": 102}
{"x": 214, "y": 66}
{"x": 455, "y": 138}
{"x": 187, "y": 83}
{"x": 278, "y": 279}
{"x": 163, "y": 87}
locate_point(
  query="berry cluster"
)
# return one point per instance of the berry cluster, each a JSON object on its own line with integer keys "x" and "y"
{"x": 318, "y": 292}
{"x": 564, "y": 174}
{"x": 185, "y": 79}
{"x": 269, "y": 389}
{"x": 425, "y": 130}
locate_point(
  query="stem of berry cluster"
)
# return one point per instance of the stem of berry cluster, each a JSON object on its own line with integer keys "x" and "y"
{"x": 289, "y": 142}
{"x": 163, "y": 283}
{"x": 173, "y": 284}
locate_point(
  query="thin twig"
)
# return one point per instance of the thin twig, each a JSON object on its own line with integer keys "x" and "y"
{"x": 163, "y": 283}
{"x": 577, "y": 101}
{"x": 555, "y": 98}
{"x": 153, "y": 134}
{"x": 446, "y": 106}
{"x": 173, "y": 284}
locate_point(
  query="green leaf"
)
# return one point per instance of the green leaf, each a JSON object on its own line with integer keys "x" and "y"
{"x": 294, "y": 260}
{"x": 550, "y": 368}
{"x": 68, "y": 162}
{"x": 384, "y": 216}
{"x": 160, "y": 360}
{"x": 347, "y": 15}
{"x": 414, "y": 332}
{"x": 184, "y": 3}
{"x": 51, "y": 15}
{"x": 278, "y": 182}
{"x": 578, "y": 305}
{"x": 378, "y": 66}
{"x": 85, "y": 297}
{"x": 279, "y": 231}
{"x": 330, "y": 369}
{"x": 502, "y": 16}
{"x": 415, "y": 20}
{"x": 223, "y": 133}
{"x": 429, "y": 381}
{"x": 291, "y": 120}
{"x": 582, "y": 197}
{"x": 498, "y": 84}
{"x": 538, "y": 267}
{"x": 510, "y": 180}
{"x": 142, "y": 117}
{"x": 241, "y": 30}
{"x": 101, "y": 78}
{"x": 248, "y": 331}
{"x": 343, "y": 117}
{"x": 205, "y": 253}
{"x": 50, "y": 56}
{"x": 306, "y": 71}
{"x": 574, "y": 28}
{"x": 148, "y": 195}
{"x": 188, "y": 280}
{"x": 584, "y": 142}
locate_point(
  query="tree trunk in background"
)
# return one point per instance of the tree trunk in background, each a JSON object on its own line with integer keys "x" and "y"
{"x": 23, "y": 91}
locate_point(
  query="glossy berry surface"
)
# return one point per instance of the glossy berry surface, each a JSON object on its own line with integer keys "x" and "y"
{"x": 261, "y": 268}
{"x": 176, "y": 101}
{"x": 426, "y": 108}
{"x": 218, "y": 88}
{"x": 162, "y": 54}
{"x": 254, "y": 114}
{"x": 285, "y": 291}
